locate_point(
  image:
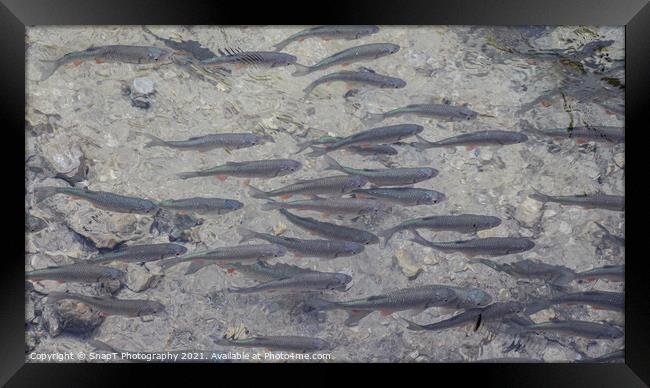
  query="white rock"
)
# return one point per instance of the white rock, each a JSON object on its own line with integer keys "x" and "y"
{"x": 529, "y": 211}
{"x": 143, "y": 85}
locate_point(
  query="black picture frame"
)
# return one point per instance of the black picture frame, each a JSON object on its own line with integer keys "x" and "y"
{"x": 16, "y": 14}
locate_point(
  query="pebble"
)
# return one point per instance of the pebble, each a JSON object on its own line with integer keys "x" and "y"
{"x": 143, "y": 85}
{"x": 529, "y": 211}
{"x": 407, "y": 264}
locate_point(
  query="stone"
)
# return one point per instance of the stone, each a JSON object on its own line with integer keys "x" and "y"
{"x": 70, "y": 316}
{"x": 529, "y": 211}
{"x": 407, "y": 264}
{"x": 139, "y": 278}
{"x": 143, "y": 85}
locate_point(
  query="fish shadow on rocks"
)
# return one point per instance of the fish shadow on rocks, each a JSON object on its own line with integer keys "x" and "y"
{"x": 177, "y": 226}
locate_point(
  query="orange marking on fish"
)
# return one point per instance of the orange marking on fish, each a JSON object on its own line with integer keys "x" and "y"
{"x": 222, "y": 178}
{"x": 286, "y": 196}
{"x": 246, "y": 182}
{"x": 581, "y": 141}
{"x": 470, "y": 147}
{"x": 361, "y": 196}
{"x": 231, "y": 270}
{"x": 99, "y": 60}
{"x": 345, "y": 64}
{"x": 77, "y": 62}
{"x": 546, "y": 103}
{"x": 386, "y": 312}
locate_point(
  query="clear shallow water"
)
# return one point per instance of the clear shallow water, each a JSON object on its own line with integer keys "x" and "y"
{"x": 82, "y": 111}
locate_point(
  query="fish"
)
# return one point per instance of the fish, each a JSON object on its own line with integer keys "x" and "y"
{"x": 249, "y": 169}
{"x": 79, "y": 272}
{"x": 616, "y": 356}
{"x": 556, "y": 275}
{"x": 100, "y": 199}
{"x": 491, "y": 312}
{"x": 140, "y": 253}
{"x": 111, "y": 53}
{"x": 314, "y": 281}
{"x": 445, "y": 111}
{"x": 614, "y": 273}
{"x": 34, "y": 224}
{"x": 603, "y": 300}
{"x": 360, "y": 77}
{"x": 347, "y": 56}
{"x": 599, "y": 133}
{"x": 377, "y": 149}
{"x": 593, "y": 201}
{"x": 202, "y": 205}
{"x": 326, "y": 249}
{"x": 405, "y": 196}
{"x": 290, "y": 343}
{"x": 228, "y": 141}
{"x": 380, "y": 135}
{"x": 354, "y": 206}
{"x": 223, "y": 255}
{"x": 463, "y": 223}
{"x": 474, "y": 139}
{"x": 491, "y": 246}
{"x": 329, "y": 230}
{"x": 386, "y": 176}
{"x": 111, "y": 306}
{"x": 615, "y": 239}
{"x": 338, "y": 184}
{"x": 416, "y": 298}
{"x": 265, "y": 272}
{"x": 242, "y": 58}
{"x": 576, "y": 328}
{"x": 329, "y": 32}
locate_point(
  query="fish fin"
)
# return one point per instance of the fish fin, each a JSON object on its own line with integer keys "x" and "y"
{"x": 386, "y": 312}
{"x": 257, "y": 193}
{"x": 187, "y": 175}
{"x": 100, "y": 345}
{"x": 281, "y": 45}
{"x": 301, "y": 70}
{"x": 332, "y": 164}
{"x": 387, "y": 235}
{"x": 196, "y": 265}
{"x": 354, "y": 316}
{"x": 168, "y": 263}
{"x": 423, "y": 143}
{"x": 286, "y": 196}
{"x": 43, "y": 192}
{"x": 246, "y": 234}
{"x": 417, "y": 237}
{"x": 372, "y": 118}
{"x": 470, "y": 147}
{"x": 77, "y": 62}
{"x": 302, "y": 146}
{"x": 317, "y": 151}
{"x": 222, "y": 178}
{"x": 246, "y": 183}
{"x": 309, "y": 89}
{"x": 412, "y": 325}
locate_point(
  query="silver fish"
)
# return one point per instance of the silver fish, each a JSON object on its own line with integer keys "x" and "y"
{"x": 202, "y": 205}
{"x": 598, "y": 299}
{"x": 228, "y": 141}
{"x": 100, "y": 199}
{"x": 592, "y": 133}
{"x": 492, "y": 246}
{"x": 479, "y": 138}
{"x": 329, "y": 32}
{"x": 327, "y": 249}
{"x": 446, "y": 111}
{"x": 597, "y": 201}
{"x": 379, "y": 135}
{"x": 243, "y": 58}
{"x": 362, "y": 77}
{"x": 250, "y": 169}
{"x": 81, "y": 272}
{"x": 405, "y": 196}
{"x": 576, "y": 328}
{"x": 329, "y": 230}
{"x": 386, "y": 176}
{"x": 556, "y": 275}
{"x": 347, "y": 56}
{"x": 140, "y": 253}
{"x": 491, "y": 312}
{"x": 112, "y": 53}
{"x": 463, "y": 223}
{"x": 265, "y": 272}
{"x": 354, "y": 206}
{"x": 111, "y": 306}
{"x": 375, "y": 149}
{"x": 338, "y": 184}
{"x": 222, "y": 255}
{"x": 314, "y": 281}
{"x": 610, "y": 272}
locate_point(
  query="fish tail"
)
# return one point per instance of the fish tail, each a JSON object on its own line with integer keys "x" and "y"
{"x": 55, "y": 296}
{"x": 196, "y": 265}
{"x": 50, "y": 66}
{"x": 301, "y": 70}
{"x": 238, "y": 290}
{"x": 355, "y": 316}
{"x": 271, "y": 205}
{"x": 257, "y": 193}
{"x": 101, "y": 345}
{"x": 412, "y": 325}
{"x": 372, "y": 118}
{"x": 168, "y": 263}
{"x": 417, "y": 237}
{"x": 489, "y": 263}
{"x": 302, "y": 146}
{"x": 246, "y": 234}
{"x": 538, "y": 196}
{"x": 309, "y": 89}
{"x": 41, "y": 193}
{"x": 317, "y": 151}
{"x": 222, "y": 341}
{"x": 423, "y": 143}
{"x": 320, "y": 304}
{"x": 188, "y": 175}
{"x": 332, "y": 164}
{"x": 155, "y": 141}
{"x": 281, "y": 45}
{"x": 387, "y": 235}
{"x": 536, "y": 305}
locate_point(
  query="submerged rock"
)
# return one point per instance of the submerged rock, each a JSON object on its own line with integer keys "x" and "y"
{"x": 70, "y": 316}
